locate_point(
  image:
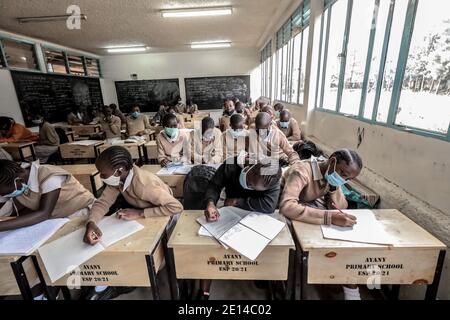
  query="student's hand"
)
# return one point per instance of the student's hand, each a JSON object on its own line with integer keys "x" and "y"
{"x": 93, "y": 234}
{"x": 130, "y": 214}
{"x": 211, "y": 212}
{"x": 343, "y": 219}
{"x": 231, "y": 202}
{"x": 164, "y": 163}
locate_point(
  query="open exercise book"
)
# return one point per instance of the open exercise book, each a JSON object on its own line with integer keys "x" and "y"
{"x": 84, "y": 142}
{"x": 24, "y": 241}
{"x": 367, "y": 229}
{"x": 59, "y": 261}
{"x": 244, "y": 231}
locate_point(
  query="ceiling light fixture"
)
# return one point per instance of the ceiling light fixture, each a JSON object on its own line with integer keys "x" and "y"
{"x": 210, "y": 44}
{"x": 127, "y": 49}
{"x": 197, "y": 12}
{"x": 51, "y": 18}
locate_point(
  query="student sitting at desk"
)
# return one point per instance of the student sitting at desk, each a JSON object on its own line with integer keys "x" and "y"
{"x": 118, "y": 113}
{"x": 157, "y": 119}
{"x": 312, "y": 188}
{"x": 278, "y": 107}
{"x": 228, "y": 111}
{"x": 111, "y": 124}
{"x": 137, "y": 123}
{"x": 190, "y": 107}
{"x": 180, "y": 106}
{"x": 180, "y": 117}
{"x": 171, "y": 143}
{"x": 74, "y": 118}
{"x": 253, "y": 187}
{"x": 234, "y": 138}
{"x": 207, "y": 145}
{"x": 10, "y": 131}
{"x": 269, "y": 142}
{"x": 40, "y": 192}
{"x": 48, "y": 139}
{"x": 289, "y": 126}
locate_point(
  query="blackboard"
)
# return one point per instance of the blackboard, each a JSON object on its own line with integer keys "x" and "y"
{"x": 210, "y": 92}
{"x": 148, "y": 94}
{"x": 53, "y": 95}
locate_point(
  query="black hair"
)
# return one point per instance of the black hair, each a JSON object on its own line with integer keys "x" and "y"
{"x": 306, "y": 149}
{"x": 284, "y": 112}
{"x": 106, "y": 106}
{"x": 167, "y": 118}
{"x": 348, "y": 156}
{"x": 9, "y": 170}
{"x": 116, "y": 157}
{"x": 208, "y": 122}
{"x": 189, "y": 102}
{"x": 172, "y": 108}
{"x": 239, "y": 107}
{"x": 278, "y": 104}
{"x": 270, "y": 174}
{"x": 6, "y": 123}
{"x": 235, "y": 119}
{"x": 113, "y": 106}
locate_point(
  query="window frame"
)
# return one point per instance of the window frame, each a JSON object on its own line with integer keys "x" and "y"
{"x": 407, "y": 34}
{"x": 5, "y": 61}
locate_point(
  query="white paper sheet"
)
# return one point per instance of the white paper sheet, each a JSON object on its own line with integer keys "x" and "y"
{"x": 263, "y": 224}
{"x": 67, "y": 253}
{"x": 367, "y": 229}
{"x": 202, "y": 232}
{"x": 24, "y": 241}
{"x": 84, "y": 142}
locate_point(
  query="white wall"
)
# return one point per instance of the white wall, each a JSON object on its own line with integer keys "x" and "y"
{"x": 226, "y": 62}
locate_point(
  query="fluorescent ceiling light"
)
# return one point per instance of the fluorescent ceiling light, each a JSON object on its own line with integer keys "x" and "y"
{"x": 197, "y": 12}
{"x": 209, "y": 45}
{"x": 51, "y": 18}
{"x": 127, "y": 49}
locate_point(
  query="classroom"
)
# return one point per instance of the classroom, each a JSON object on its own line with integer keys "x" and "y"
{"x": 224, "y": 150}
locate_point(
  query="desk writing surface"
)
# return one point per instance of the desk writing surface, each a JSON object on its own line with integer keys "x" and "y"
{"x": 405, "y": 232}
{"x": 186, "y": 233}
{"x": 80, "y": 169}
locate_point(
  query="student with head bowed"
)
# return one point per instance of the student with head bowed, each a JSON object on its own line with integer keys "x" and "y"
{"x": 289, "y": 126}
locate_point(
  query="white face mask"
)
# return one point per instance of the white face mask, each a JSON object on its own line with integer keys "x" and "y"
{"x": 112, "y": 181}
{"x": 238, "y": 133}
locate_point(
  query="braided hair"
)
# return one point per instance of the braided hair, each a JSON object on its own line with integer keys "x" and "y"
{"x": 9, "y": 171}
{"x": 270, "y": 174}
{"x": 348, "y": 156}
{"x": 116, "y": 157}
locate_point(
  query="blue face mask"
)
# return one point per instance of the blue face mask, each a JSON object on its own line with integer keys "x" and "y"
{"x": 334, "y": 179}
{"x": 17, "y": 192}
{"x": 277, "y": 114}
{"x": 171, "y": 132}
{"x": 135, "y": 114}
{"x": 243, "y": 179}
{"x": 284, "y": 125}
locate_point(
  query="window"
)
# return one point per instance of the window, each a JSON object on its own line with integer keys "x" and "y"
{"x": 425, "y": 96}
{"x": 55, "y": 61}
{"x": 92, "y": 67}
{"x": 76, "y": 66}
{"x": 19, "y": 54}
{"x": 305, "y": 34}
{"x": 296, "y": 67}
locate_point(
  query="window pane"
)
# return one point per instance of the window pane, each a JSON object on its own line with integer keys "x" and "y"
{"x": 284, "y": 73}
{"x": 303, "y": 65}
{"x": 273, "y": 94}
{"x": 395, "y": 40}
{"x": 92, "y": 67}
{"x": 337, "y": 28}
{"x": 425, "y": 97}
{"x": 76, "y": 65}
{"x": 358, "y": 43}
{"x": 383, "y": 12}
{"x": 321, "y": 54}
{"x": 55, "y": 61}
{"x": 279, "y": 72}
{"x": 19, "y": 55}
{"x": 296, "y": 67}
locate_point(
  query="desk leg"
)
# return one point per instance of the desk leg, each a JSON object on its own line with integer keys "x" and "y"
{"x": 44, "y": 286}
{"x": 33, "y": 153}
{"x": 22, "y": 158}
{"x": 291, "y": 276}
{"x": 21, "y": 279}
{"x": 146, "y": 160}
{"x": 170, "y": 265}
{"x": 152, "y": 274}
{"x": 432, "y": 289}
{"x": 93, "y": 186}
{"x": 302, "y": 273}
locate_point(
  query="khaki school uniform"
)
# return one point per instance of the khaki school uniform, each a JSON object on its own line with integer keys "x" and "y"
{"x": 180, "y": 120}
{"x": 141, "y": 190}
{"x": 292, "y": 132}
{"x": 48, "y": 142}
{"x": 232, "y": 146}
{"x": 72, "y": 196}
{"x": 190, "y": 109}
{"x": 111, "y": 129}
{"x": 173, "y": 149}
{"x": 136, "y": 125}
{"x": 224, "y": 123}
{"x": 304, "y": 183}
{"x": 275, "y": 146}
{"x": 207, "y": 152}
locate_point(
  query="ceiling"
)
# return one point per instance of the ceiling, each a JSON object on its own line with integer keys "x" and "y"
{"x": 139, "y": 22}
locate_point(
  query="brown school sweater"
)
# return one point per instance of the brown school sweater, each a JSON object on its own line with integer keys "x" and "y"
{"x": 112, "y": 129}
{"x": 293, "y": 132}
{"x": 139, "y": 124}
{"x": 48, "y": 135}
{"x": 304, "y": 184}
{"x": 231, "y": 146}
{"x": 189, "y": 109}
{"x": 72, "y": 197}
{"x": 169, "y": 150}
{"x": 146, "y": 191}
{"x": 207, "y": 152}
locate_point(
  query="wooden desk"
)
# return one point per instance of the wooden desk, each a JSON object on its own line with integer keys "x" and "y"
{"x": 174, "y": 181}
{"x": 415, "y": 258}
{"x": 197, "y": 257}
{"x": 131, "y": 262}
{"x": 86, "y": 130}
{"x": 136, "y": 149}
{"x": 21, "y": 150}
{"x": 73, "y": 151}
{"x": 151, "y": 152}
{"x": 87, "y": 175}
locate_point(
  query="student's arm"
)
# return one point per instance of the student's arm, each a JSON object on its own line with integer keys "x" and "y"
{"x": 160, "y": 149}
{"x": 266, "y": 203}
{"x": 215, "y": 185}
{"x": 296, "y": 133}
{"x": 115, "y": 125}
{"x": 290, "y": 206}
{"x": 146, "y": 124}
{"x": 101, "y": 206}
{"x": 288, "y": 150}
{"x": 52, "y": 136}
{"x": 164, "y": 202}
{"x": 337, "y": 197}
{"x": 46, "y": 205}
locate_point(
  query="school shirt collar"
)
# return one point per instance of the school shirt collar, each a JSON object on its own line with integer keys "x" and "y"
{"x": 33, "y": 179}
{"x": 128, "y": 180}
{"x": 317, "y": 175}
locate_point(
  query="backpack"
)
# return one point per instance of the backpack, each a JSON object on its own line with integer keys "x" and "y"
{"x": 195, "y": 185}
